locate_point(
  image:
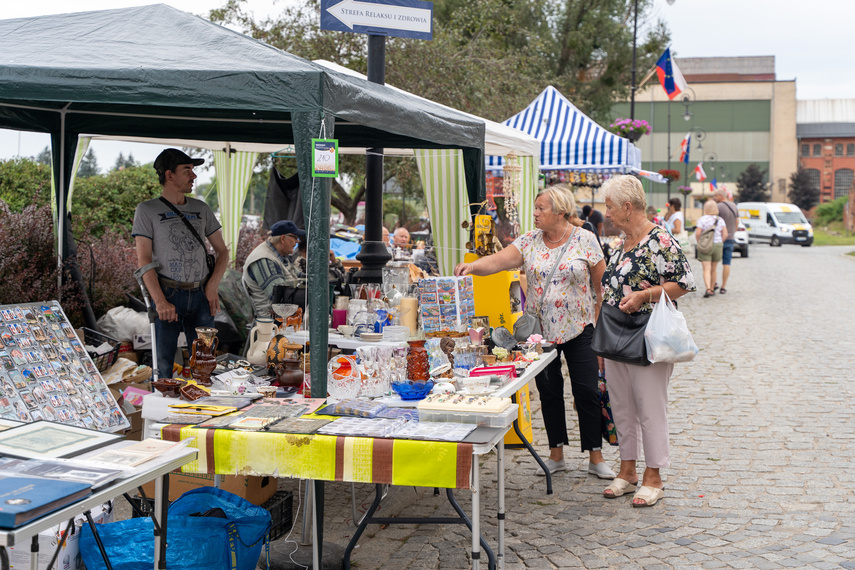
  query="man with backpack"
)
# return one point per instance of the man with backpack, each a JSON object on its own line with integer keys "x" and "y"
{"x": 728, "y": 212}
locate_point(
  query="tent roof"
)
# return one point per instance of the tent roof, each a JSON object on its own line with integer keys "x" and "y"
{"x": 157, "y": 71}
{"x": 499, "y": 139}
{"x": 569, "y": 139}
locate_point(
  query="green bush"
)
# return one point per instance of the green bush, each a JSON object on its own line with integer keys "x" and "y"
{"x": 829, "y": 212}
{"x": 107, "y": 202}
{"x": 24, "y": 182}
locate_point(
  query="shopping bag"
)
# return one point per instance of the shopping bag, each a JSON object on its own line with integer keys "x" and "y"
{"x": 197, "y": 538}
{"x": 607, "y": 422}
{"x": 667, "y": 335}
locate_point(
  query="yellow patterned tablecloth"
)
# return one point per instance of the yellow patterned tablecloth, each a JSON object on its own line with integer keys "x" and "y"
{"x": 327, "y": 457}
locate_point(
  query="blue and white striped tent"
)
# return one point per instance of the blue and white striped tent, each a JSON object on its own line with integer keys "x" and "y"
{"x": 569, "y": 140}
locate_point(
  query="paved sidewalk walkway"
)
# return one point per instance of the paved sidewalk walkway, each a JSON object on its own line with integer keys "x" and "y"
{"x": 763, "y": 441}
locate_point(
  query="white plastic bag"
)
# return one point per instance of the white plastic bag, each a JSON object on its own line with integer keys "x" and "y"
{"x": 667, "y": 336}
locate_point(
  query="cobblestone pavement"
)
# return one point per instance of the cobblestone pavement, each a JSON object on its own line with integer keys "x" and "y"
{"x": 762, "y": 440}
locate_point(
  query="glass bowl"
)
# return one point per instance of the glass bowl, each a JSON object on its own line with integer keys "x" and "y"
{"x": 409, "y": 390}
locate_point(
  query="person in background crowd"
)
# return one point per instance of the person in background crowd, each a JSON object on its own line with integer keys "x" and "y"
{"x": 386, "y": 237}
{"x": 184, "y": 293}
{"x": 567, "y": 315}
{"x": 653, "y": 216}
{"x": 675, "y": 222}
{"x": 647, "y": 262}
{"x": 401, "y": 238}
{"x": 596, "y": 218}
{"x": 710, "y": 260}
{"x": 729, "y": 213}
{"x": 270, "y": 264}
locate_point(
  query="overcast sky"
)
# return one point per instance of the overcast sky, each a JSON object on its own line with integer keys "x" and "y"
{"x": 808, "y": 39}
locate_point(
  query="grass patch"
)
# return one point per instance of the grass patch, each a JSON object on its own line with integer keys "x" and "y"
{"x": 832, "y": 234}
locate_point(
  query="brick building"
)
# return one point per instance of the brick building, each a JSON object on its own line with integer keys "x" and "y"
{"x": 826, "y": 134}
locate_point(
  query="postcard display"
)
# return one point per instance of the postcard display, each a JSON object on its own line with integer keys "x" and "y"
{"x": 46, "y": 373}
{"x": 447, "y": 303}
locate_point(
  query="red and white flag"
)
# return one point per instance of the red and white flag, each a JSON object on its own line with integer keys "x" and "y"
{"x": 699, "y": 172}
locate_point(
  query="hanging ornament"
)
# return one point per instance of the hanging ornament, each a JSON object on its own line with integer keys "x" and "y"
{"x": 511, "y": 185}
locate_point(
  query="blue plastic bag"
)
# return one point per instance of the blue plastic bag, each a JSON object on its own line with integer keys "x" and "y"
{"x": 233, "y": 543}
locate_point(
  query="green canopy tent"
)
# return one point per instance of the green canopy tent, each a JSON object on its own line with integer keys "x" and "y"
{"x": 154, "y": 71}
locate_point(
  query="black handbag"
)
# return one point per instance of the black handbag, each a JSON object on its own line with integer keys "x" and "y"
{"x": 210, "y": 260}
{"x": 620, "y": 337}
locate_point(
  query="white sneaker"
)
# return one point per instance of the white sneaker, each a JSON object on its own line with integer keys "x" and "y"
{"x": 601, "y": 470}
{"x": 553, "y": 466}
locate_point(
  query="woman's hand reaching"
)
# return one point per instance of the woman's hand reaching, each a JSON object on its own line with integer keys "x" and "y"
{"x": 462, "y": 269}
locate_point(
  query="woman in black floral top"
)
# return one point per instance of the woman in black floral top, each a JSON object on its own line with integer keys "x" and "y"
{"x": 649, "y": 260}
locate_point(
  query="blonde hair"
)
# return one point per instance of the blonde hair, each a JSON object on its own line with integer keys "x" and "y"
{"x": 563, "y": 202}
{"x": 710, "y": 208}
{"x": 624, "y": 188}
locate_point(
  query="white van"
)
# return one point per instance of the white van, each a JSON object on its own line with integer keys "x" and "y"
{"x": 775, "y": 223}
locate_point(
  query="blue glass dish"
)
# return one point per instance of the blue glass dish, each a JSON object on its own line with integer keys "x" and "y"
{"x": 409, "y": 390}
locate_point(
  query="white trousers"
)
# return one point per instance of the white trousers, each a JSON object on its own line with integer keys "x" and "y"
{"x": 639, "y": 401}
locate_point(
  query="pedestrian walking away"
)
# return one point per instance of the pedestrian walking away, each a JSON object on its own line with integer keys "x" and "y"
{"x": 730, "y": 214}
{"x": 711, "y": 221}
{"x": 648, "y": 262}
{"x": 169, "y": 230}
{"x": 564, "y": 265}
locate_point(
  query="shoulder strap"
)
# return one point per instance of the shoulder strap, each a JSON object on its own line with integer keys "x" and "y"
{"x": 186, "y": 221}
{"x": 732, "y": 208}
{"x": 554, "y": 266}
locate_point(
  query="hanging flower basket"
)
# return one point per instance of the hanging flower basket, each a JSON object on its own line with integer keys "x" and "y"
{"x": 684, "y": 190}
{"x": 630, "y": 129}
{"x": 670, "y": 175}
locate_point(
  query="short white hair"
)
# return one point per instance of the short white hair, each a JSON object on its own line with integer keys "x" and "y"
{"x": 624, "y": 188}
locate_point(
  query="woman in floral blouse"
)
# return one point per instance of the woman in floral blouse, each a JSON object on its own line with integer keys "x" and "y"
{"x": 649, "y": 261}
{"x": 567, "y": 313}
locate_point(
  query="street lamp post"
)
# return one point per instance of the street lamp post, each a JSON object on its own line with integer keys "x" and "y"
{"x": 634, "y": 37}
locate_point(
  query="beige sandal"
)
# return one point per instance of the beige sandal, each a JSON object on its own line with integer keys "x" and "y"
{"x": 650, "y": 496}
{"x": 618, "y": 488}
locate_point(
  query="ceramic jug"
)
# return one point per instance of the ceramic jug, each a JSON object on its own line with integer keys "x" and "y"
{"x": 259, "y": 339}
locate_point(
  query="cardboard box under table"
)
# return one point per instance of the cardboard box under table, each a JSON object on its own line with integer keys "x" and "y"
{"x": 449, "y": 465}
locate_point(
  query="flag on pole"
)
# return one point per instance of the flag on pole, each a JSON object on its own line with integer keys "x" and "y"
{"x": 713, "y": 186}
{"x": 685, "y": 146}
{"x": 670, "y": 76}
{"x": 699, "y": 172}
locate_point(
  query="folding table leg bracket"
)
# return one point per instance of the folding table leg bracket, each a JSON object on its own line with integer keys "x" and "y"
{"x": 97, "y": 536}
{"x": 533, "y": 453}
{"x": 63, "y": 537}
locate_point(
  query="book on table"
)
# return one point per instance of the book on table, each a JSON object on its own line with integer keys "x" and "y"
{"x": 137, "y": 453}
{"x": 60, "y": 469}
{"x": 23, "y": 499}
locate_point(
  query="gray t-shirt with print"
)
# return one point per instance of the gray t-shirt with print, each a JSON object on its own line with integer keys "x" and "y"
{"x": 181, "y": 256}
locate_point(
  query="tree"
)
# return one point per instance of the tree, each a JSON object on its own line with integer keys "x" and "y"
{"x": 107, "y": 201}
{"x": 751, "y": 185}
{"x": 803, "y": 192}
{"x": 122, "y": 162}
{"x": 44, "y": 157}
{"x": 88, "y": 165}
{"x": 23, "y": 182}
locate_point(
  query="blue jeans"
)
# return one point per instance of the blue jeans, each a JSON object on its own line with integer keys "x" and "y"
{"x": 727, "y": 251}
{"x": 193, "y": 311}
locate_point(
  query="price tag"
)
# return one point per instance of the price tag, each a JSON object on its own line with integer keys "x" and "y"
{"x": 324, "y": 158}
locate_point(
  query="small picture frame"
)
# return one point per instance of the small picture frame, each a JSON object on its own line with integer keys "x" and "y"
{"x": 50, "y": 440}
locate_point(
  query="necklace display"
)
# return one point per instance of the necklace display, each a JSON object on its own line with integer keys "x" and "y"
{"x": 559, "y": 239}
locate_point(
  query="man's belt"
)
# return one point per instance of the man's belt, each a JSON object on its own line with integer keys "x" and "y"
{"x": 189, "y": 285}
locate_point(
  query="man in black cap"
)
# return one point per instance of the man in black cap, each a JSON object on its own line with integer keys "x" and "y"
{"x": 270, "y": 264}
{"x": 170, "y": 231}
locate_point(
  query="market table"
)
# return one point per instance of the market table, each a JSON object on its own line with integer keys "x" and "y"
{"x": 510, "y": 390}
{"x": 341, "y": 341}
{"x": 449, "y": 465}
{"x": 157, "y": 471}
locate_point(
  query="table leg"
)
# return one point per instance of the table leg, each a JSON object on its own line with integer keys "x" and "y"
{"x": 500, "y": 516}
{"x": 4, "y": 558}
{"x": 476, "y": 514}
{"x": 533, "y": 453}
{"x": 34, "y": 552}
{"x": 97, "y": 538}
{"x": 161, "y": 504}
{"x": 62, "y": 539}
{"x": 318, "y": 531}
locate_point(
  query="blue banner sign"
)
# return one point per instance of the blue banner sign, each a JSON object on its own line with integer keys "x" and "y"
{"x": 399, "y": 18}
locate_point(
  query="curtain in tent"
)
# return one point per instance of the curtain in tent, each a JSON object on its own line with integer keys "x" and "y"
{"x": 82, "y": 147}
{"x": 234, "y": 172}
{"x": 527, "y": 192}
{"x": 444, "y": 183}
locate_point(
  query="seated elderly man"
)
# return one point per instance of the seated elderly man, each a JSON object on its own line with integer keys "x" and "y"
{"x": 401, "y": 238}
{"x": 270, "y": 264}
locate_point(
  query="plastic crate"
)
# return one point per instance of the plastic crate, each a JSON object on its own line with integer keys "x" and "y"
{"x": 102, "y": 361}
{"x": 281, "y": 509}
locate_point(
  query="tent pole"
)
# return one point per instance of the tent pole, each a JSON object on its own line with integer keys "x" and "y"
{"x": 374, "y": 253}
{"x": 60, "y": 206}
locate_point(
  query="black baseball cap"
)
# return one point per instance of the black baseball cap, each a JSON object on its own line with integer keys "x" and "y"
{"x": 284, "y": 227}
{"x": 171, "y": 158}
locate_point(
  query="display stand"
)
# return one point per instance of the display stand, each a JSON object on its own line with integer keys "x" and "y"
{"x": 47, "y": 374}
